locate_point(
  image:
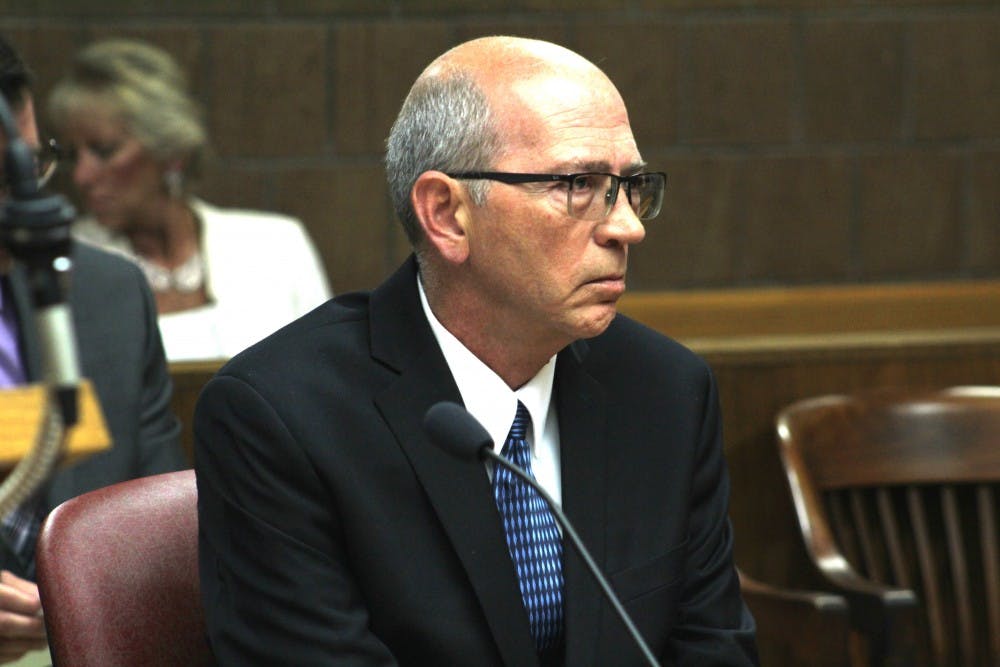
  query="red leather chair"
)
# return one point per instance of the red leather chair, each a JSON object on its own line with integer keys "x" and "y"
{"x": 118, "y": 576}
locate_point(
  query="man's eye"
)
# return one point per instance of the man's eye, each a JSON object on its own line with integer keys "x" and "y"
{"x": 583, "y": 183}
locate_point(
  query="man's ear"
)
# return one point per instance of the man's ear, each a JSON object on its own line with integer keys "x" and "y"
{"x": 442, "y": 207}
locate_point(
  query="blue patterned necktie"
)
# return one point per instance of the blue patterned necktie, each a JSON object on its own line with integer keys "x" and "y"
{"x": 532, "y": 537}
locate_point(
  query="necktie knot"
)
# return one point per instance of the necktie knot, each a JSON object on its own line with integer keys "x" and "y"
{"x": 522, "y": 418}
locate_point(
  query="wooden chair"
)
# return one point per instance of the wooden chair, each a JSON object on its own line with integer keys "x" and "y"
{"x": 896, "y": 495}
{"x": 118, "y": 576}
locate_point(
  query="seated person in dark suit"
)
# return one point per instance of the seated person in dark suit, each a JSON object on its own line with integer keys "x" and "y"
{"x": 120, "y": 351}
{"x": 333, "y": 531}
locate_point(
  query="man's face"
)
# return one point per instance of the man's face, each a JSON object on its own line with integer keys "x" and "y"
{"x": 24, "y": 118}
{"x": 551, "y": 276}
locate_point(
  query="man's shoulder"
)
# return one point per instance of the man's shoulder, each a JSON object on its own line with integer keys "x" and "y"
{"x": 108, "y": 292}
{"x": 104, "y": 281}
{"x": 337, "y": 325}
{"x": 90, "y": 259}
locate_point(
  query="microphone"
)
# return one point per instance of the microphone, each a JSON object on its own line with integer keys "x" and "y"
{"x": 35, "y": 228}
{"x": 453, "y": 429}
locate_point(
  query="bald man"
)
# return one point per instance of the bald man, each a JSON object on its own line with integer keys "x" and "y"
{"x": 333, "y": 531}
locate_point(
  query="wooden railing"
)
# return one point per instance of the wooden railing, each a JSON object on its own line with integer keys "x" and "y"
{"x": 694, "y": 315}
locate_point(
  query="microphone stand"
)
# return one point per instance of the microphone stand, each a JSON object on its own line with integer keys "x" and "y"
{"x": 574, "y": 538}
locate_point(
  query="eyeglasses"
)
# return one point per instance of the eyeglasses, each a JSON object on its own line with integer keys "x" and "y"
{"x": 47, "y": 158}
{"x": 591, "y": 195}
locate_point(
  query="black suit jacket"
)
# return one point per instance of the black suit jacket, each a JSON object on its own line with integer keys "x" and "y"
{"x": 120, "y": 351}
{"x": 333, "y": 532}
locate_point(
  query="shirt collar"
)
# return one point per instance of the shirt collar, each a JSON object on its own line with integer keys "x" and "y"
{"x": 486, "y": 396}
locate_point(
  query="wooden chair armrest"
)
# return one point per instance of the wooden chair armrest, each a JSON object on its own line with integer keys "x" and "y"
{"x": 797, "y": 627}
{"x": 886, "y": 617}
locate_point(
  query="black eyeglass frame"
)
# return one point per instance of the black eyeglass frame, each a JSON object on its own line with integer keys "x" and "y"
{"x": 48, "y": 156}
{"x": 514, "y": 178}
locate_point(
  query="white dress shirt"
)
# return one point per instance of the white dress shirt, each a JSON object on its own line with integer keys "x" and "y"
{"x": 488, "y": 398}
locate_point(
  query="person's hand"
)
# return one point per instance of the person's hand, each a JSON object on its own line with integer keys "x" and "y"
{"x": 22, "y": 627}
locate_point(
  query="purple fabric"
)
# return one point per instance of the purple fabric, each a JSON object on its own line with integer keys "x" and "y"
{"x": 11, "y": 364}
{"x": 19, "y": 529}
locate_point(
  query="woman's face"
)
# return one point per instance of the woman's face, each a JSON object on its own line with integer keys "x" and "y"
{"x": 119, "y": 181}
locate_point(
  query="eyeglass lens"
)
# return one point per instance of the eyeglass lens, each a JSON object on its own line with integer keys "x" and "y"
{"x": 585, "y": 200}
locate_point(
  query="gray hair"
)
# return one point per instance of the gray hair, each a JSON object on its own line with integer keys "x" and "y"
{"x": 445, "y": 124}
{"x": 145, "y": 88}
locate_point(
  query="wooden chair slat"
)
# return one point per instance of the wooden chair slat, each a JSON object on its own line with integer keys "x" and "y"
{"x": 859, "y": 514}
{"x": 931, "y": 587}
{"x": 890, "y": 528}
{"x": 988, "y": 529}
{"x": 959, "y": 573}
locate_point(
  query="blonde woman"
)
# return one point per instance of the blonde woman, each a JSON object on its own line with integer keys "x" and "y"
{"x": 222, "y": 279}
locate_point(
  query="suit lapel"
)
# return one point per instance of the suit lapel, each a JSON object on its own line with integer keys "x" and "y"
{"x": 459, "y": 491}
{"x": 27, "y": 334}
{"x": 582, "y": 409}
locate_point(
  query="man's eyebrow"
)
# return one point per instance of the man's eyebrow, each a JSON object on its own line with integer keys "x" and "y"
{"x": 601, "y": 166}
{"x": 635, "y": 168}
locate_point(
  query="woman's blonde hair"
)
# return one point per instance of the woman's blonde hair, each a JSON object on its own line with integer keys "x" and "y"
{"x": 145, "y": 88}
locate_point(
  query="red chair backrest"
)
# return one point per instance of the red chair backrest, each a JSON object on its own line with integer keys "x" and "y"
{"x": 118, "y": 576}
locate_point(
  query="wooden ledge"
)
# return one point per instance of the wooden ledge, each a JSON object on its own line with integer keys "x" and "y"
{"x": 701, "y": 315}
{"x": 935, "y": 342}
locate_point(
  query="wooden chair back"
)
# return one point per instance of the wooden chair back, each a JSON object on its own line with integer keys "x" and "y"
{"x": 901, "y": 488}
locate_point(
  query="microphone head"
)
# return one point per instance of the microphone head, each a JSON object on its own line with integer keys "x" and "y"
{"x": 453, "y": 429}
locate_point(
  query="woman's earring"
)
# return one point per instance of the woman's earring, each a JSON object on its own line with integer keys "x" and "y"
{"x": 173, "y": 178}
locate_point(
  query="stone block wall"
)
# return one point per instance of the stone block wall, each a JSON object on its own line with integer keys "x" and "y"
{"x": 806, "y": 141}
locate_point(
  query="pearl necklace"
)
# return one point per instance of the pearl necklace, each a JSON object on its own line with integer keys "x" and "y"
{"x": 186, "y": 278}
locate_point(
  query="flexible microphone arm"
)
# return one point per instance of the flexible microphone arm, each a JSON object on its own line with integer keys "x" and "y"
{"x": 34, "y": 228}
{"x": 451, "y": 427}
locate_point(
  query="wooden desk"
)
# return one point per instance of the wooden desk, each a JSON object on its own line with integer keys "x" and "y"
{"x": 189, "y": 377}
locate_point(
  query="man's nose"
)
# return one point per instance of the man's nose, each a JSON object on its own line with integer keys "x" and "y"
{"x": 622, "y": 226}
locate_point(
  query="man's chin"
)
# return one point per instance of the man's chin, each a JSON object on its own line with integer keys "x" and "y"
{"x": 598, "y": 319}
